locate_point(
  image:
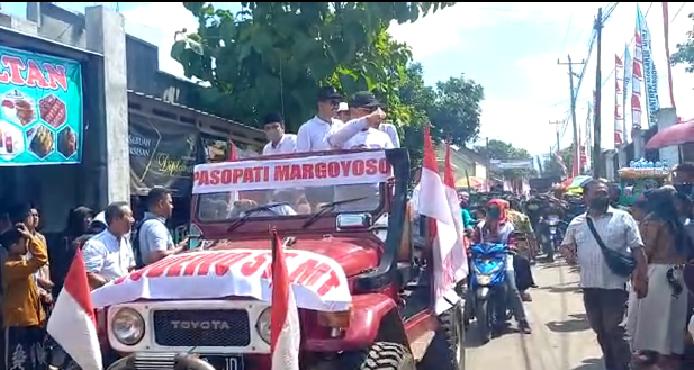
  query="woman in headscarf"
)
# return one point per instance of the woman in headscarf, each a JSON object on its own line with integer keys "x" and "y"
{"x": 656, "y": 322}
{"x": 496, "y": 228}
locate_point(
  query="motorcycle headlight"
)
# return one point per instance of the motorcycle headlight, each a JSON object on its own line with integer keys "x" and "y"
{"x": 128, "y": 326}
{"x": 484, "y": 279}
{"x": 263, "y": 325}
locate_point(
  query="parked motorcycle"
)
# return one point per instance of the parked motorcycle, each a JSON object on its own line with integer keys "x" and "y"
{"x": 487, "y": 297}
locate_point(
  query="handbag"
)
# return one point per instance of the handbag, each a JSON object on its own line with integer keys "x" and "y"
{"x": 621, "y": 264}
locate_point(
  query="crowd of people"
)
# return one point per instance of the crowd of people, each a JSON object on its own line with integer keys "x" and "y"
{"x": 635, "y": 259}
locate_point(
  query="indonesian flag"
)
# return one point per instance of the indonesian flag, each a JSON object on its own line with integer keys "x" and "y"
{"x": 459, "y": 253}
{"x": 433, "y": 203}
{"x": 284, "y": 317}
{"x": 72, "y": 323}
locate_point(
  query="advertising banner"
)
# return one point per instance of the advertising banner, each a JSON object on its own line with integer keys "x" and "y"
{"x": 324, "y": 170}
{"x": 649, "y": 74}
{"x": 162, "y": 154}
{"x": 618, "y": 107}
{"x": 40, "y": 109}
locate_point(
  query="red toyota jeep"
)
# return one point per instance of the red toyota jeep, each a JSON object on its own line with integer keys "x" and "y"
{"x": 346, "y": 225}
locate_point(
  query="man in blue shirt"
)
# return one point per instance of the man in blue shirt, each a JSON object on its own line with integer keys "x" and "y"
{"x": 154, "y": 239}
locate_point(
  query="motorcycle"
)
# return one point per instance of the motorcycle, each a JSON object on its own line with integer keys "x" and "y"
{"x": 487, "y": 294}
{"x": 551, "y": 235}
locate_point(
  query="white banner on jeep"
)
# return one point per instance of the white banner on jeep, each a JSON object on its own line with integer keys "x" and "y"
{"x": 319, "y": 282}
{"x": 324, "y": 170}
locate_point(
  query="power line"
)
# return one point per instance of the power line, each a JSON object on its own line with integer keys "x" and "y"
{"x": 677, "y": 12}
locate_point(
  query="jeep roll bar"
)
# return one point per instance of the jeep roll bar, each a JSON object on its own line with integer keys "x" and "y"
{"x": 387, "y": 270}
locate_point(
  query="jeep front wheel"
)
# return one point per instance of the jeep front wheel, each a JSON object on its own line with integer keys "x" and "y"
{"x": 387, "y": 356}
{"x": 447, "y": 348}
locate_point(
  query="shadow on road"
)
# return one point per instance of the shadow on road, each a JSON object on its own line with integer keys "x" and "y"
{"x": 590, "y": 364}
{"x": 574, "y": 324}
{"x": 566, "y": 289}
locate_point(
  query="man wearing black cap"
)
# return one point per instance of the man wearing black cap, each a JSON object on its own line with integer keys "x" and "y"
{"x": 362, "y": 131}
{"x": 279, "y": 141}
{"x": 312, "y": 135}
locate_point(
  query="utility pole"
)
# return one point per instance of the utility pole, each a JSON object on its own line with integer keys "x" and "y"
{"x": 572, "y": 96}
{"x": 597, "y": 138}
{"x": 557, "y": 123}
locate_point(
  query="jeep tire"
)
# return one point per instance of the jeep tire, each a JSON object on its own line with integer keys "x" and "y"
{"x": 379, "y": 356}
{"x": 447, "y": 348}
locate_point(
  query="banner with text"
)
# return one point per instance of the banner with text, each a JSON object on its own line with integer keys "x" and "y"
{"x": 41, "y": 109}
{"x": 318, "y": 281}
{"x": 636, "y": 78}
{"x": 324, "y": 170}
{"x": 162, "y": 153}
{"x": 649, "y": 74}
{"x": 618, "y": 107}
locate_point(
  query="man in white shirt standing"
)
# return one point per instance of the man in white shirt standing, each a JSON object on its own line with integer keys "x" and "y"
{"x": 363, "y": 130}
{"x": 312, "y": 135}
{"x": 279, "y": 141}
{"x": 108, "y": 255}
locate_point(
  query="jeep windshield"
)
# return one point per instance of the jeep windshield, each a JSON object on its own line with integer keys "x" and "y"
{"x": 303, "y": 185}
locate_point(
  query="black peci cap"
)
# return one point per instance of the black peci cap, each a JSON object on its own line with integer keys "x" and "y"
{"x": 328, "y": 93}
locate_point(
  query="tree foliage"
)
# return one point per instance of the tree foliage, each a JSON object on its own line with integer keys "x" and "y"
{"x": 685, "y": 52}
{"x": 274, "y": 56}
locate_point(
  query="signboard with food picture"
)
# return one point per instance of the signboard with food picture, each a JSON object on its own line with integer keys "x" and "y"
{"x": 40, "y": 109}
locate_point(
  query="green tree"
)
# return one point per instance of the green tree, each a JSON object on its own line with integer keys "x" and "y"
{"x": 276, "y": 55}
{"x": 685, "y": 52}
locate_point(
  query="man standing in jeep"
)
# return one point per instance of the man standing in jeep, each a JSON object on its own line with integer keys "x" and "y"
{"x": 154, "y": 239}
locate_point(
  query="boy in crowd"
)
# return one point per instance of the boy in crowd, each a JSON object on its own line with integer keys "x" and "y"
{"x": 23, "y": 313}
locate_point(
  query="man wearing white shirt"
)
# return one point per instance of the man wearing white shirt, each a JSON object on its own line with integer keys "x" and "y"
{"x": 363, "y": 130}
{"x": 108, "y": 255}
{"x": 312, "y": 135}
{"x": 279, "y": 142}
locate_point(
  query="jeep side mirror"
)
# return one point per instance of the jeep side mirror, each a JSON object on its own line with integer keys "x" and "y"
{"x": 352, "y": 221}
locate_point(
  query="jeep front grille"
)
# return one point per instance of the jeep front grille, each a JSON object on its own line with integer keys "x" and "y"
{"x": 201, "y": 327}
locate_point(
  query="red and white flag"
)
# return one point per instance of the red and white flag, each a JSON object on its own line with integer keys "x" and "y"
{"x": 433, "y": 204}
{"x": 73, "y": 323}
{"x": 459, "y": 252}
{"x": 284, "y": 318}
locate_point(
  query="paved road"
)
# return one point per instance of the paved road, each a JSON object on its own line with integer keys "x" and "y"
{"x": 561, "y": 339}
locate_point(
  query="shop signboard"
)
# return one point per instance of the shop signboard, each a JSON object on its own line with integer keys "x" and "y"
{"x": 162, "y": 154}
{"x": 41, "y": 115}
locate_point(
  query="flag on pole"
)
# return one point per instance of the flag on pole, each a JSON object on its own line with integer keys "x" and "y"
{"x": 618, "y": 101}
{"x": 233, "y": 154}
{"x": 459, "y": 253}
{"x": 284, "y": 317}
{"x": 73, "y": 323}
{"x": 433, "y": 204}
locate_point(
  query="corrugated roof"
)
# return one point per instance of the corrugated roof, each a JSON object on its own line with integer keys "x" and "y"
{"x": 181, "y": 106}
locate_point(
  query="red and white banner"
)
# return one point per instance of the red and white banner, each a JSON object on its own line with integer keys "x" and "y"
{"x": 459, "y": 252}
{"x": 285, "y": 335}
{"x": 618, "y": 100}
{"x": 636, "y": 79}
{"x": 318, "y": 282}
{"x": 72, "y": 323}
{"x": 323, "y": 170}
{"x": 434, "y": 205}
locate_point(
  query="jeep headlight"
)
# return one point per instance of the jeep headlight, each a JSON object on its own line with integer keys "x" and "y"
{"x": 128, "y": 326}
{"x": 263, "y": 325}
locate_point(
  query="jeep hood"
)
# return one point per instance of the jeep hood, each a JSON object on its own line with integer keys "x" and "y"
{"x": 355, "y": 255}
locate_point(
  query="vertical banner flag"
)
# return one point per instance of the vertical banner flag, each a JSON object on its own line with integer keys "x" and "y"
{"x": 459, "y": 253}
{"x": 433, "y": 204}
{"x": 284, "y": 316}
{"x": 666, "y": 26}
{"x": 649, "y": 74}
{"x": 626, "y": 131}
{"x": 636, "y": 78}
{"x": 618, "y": 101}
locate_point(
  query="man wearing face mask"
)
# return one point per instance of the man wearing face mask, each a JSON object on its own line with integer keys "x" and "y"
{"x": 279, "y": 142}
{"x": 604, "y": 292}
